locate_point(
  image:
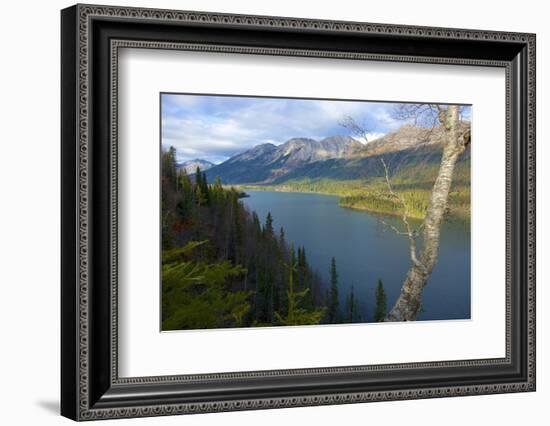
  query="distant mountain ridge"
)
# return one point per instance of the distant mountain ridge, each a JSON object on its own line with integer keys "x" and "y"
{"x": 335, "y": 157}
{"x": 406, "y": 137}
{"x": 190, "y": 166}
{"x": 268, "y": 162}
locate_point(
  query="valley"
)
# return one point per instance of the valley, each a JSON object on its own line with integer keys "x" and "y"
{"x": 354, "y": 171}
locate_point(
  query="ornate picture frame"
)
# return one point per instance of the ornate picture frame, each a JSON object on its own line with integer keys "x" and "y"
{"x": 91, "y": 37}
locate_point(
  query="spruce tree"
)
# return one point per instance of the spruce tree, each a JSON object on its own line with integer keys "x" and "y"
{"x": 300, "y": 269}
{"x": 293, "y": 261}
{"x": 216, "y": 306}
{"x": 280, "y": 277}
{"x": 268, "y": 227}
{"x": 204, "y": 187}
{"x": 218, "y": 184}
{"x": 237, "y": 230}
{"x": 333, "y": 303}
{"x": 304, "y": 277}
{"x": 200, "y": 195}
{"x": 257, "y": 224}
{"x": 198, "y": 177}
{"x": 268, "y": 297}
{"x": 295, "y": 314}
{"x": 282, "y": 241}
{"x": 216, "y": 191}
{"x": 187, "y": 194}
{"x": 351, "y": 306}
{"x": 381, "y": 303}
{"x": 170, "y": 166}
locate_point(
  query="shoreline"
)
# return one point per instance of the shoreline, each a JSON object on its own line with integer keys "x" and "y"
{"x": 288, "y": 191}
{"x": 457, "y": 214}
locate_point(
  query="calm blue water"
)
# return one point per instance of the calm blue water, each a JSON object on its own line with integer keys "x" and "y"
{"x": 366, "y": 250}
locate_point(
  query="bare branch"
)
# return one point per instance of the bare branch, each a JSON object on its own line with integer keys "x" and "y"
{"x": 412, "y": 234}
{"x": 357, "y": 130}
{"x": 393, "y": 228}
{"x": 425, "y": 115}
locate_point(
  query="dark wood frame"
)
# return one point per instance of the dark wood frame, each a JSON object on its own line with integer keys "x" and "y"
{"x": 91, "y": 37}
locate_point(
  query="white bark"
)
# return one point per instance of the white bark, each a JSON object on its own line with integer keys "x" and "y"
{"x": 410, "y": 298}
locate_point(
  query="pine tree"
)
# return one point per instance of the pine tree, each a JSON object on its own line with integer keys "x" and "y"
{"x": 169, "y": 166}
{"x": 204, "y": 186}
{"x": 257, "y": 224}
{"x": 259, "y": 293}
{"x": 333, "y": 303}
{"x": 305, "y": 277}
{"x": 185, "y": 205}
{"x": 196, "y": 294}
{"x": 198, "y": 177}
{"x": 302, "y": 265}
{"x": 268, "y": 227}
{"x": 381, "y": 303}
{"x": 218, "y": 183}
{"x": 200, "y": 196}
{"x": 185, "y": 184}
{"x": 268, "y": 297}
{"x": 351, "y": 306}
{"x": 216, "y": 191}
{"x": 171, "y": 206}
{"x": 295, "y": 314}
{"x": 279, "y": 295}
{"x": 200, "y": 193}
{"x": 293, "y": 261}
{"x": 237, "y": 231}
{"x": 282, "y": 241}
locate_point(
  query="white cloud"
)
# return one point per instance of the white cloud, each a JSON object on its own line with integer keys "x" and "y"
{"x": 215, "y": 127}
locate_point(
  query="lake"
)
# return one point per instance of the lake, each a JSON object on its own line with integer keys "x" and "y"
{"x": 367, "y": 250}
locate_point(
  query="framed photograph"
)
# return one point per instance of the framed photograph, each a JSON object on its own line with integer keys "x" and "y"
{"x": 263, "y": 212}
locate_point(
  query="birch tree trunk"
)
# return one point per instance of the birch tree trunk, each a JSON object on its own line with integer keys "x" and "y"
{"x": 410, "y": 298}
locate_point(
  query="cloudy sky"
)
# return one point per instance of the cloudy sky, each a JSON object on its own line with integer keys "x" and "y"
{"x": 215, "y": 128}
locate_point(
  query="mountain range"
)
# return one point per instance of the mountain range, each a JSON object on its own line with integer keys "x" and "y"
{"x": 268, "y": 162}
{"x": 335, "y": 157}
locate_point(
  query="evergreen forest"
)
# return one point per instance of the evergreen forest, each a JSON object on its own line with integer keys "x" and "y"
{"x": 223, "y": 266}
